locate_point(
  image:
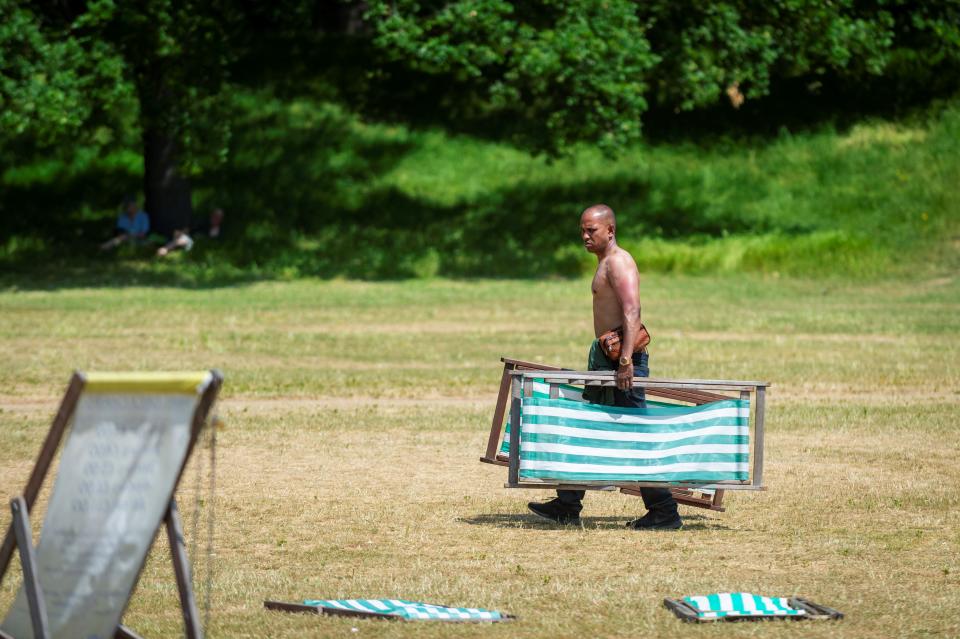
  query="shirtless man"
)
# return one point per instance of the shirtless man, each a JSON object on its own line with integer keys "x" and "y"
{"x": 616, "y": 302}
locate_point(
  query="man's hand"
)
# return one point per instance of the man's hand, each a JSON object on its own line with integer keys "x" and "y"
{"x": 625, "y": 377}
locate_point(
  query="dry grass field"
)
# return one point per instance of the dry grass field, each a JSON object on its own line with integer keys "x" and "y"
{"x": 355, "y": 414}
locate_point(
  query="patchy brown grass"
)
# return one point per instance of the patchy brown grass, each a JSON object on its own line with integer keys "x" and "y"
{"x": 349, "y": 468}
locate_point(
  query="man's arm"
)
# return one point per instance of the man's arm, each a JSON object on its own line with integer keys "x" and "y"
{"x": 625, "y": 279}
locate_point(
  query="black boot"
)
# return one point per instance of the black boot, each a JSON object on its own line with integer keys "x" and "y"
{"x": 658, "y": 519}
{"x": 555, "y": 510}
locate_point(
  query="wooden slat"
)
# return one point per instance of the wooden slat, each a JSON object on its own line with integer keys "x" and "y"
{"x": 181, "y": 570}
{"x": 530, "y": 483}
{"x": 608, "y": 380}
{"x": 534, "y": 366}
{"x": 610, "y": 375}
{"x": 548, "y": 486}
{"x": 513, "y": 475}
{"x": 682, "y": 610}
{"x": 28, "y": 562}
{"x": 638, "y": 382}
{"x": 815, "y": 610}
{"x": 758, "y": 438}
{"x": 496, "y": 427}
{"x": 283, "y": 606}
{"x": 692, "y": 396}
{"x": 44, "y": 459}
{"x": 684, "y": 496}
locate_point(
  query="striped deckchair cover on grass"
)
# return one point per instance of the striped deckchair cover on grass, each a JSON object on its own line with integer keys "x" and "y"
{"x": 411, "y": 610}
{"x": 740, "y": 604}
{"x": 573, "y": 441}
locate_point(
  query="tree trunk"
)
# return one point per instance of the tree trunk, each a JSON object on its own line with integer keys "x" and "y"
{"x": 167, "y": 193}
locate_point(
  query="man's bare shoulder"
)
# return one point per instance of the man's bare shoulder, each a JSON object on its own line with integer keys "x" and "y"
{"x": 622, "y": 262}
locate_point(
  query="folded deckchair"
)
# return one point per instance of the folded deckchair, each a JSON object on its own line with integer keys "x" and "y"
{"x": 660, "y": 394}
{"x": 745, "y": 606}
{"x": 574, "y": 441}
{"x": 388, "y": 609}
{"x": 702, "y": 438}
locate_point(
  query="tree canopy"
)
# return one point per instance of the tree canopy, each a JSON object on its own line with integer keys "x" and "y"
{"x": 545, "y": 75}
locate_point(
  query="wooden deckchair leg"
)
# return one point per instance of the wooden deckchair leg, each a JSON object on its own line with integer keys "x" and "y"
{"x": 28, "y": 561}
{"x": 717, "y": 503}
{"x": 47, "y": 451}
{"x": 181, "y": 567}
{"x": 758, "y": 438}
{"x": 496, "y": 427}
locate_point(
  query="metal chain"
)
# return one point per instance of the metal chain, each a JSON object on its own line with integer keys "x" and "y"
{"x": 211, "y": 520}
{"x": 197, "y": 501}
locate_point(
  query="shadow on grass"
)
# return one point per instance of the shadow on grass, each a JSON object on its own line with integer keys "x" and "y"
{"x": 99, "y": 273}
{"x": 303, "y": 196}
{"x": 529, "y": 521}
{"x": 526, "y": 231}
{"x": 303, "y": 180}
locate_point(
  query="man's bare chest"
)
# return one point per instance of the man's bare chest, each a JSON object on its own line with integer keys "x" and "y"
{"x": 600, "y": 287}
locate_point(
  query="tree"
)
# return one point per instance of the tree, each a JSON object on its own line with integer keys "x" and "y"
{"x": 52, "y": 85}
{"x": 177, "y": 54}
{"x": 547, "y": 75}
{"x": 586, "y": 70}
{"x": 565, "y": 72}
{"x": 73, "y": 61}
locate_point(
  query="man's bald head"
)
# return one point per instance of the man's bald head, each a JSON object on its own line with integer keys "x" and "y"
{"x": 601, "y": 213}
{"x": 598, "y": 227}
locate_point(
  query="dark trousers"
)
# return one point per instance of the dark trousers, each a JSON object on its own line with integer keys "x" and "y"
{"x": 660, "y": 499}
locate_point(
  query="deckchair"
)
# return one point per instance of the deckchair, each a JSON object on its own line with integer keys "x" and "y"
{"x": 392, "y": 609}
{"x": 130, "y": 436}
{"x": 745, "y": 606}
{"x": 545, "y": 389}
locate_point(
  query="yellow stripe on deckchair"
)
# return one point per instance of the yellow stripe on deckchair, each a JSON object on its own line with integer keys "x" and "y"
{"x": 185, "y": 383}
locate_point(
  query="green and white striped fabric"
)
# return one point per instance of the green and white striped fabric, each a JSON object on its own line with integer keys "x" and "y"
{"x": 741, "y": 604}
{"x": 411, "y": 610}
{"x": 542, "y": 389}
{"x": 572, "y": 441}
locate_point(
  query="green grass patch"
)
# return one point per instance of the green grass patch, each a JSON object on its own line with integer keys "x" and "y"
{"x": 355, "y": 412}
{"x": 310, "y": 190}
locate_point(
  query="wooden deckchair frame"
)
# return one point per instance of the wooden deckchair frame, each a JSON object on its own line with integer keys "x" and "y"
{"x": 19, "y": 537}
{"x": 815, "y": 612}
{"x": 693, "y": 392}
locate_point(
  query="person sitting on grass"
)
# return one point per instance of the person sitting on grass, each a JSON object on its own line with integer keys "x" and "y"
{"x": 182, "y": 237}
{"x": 133, "y": 224}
